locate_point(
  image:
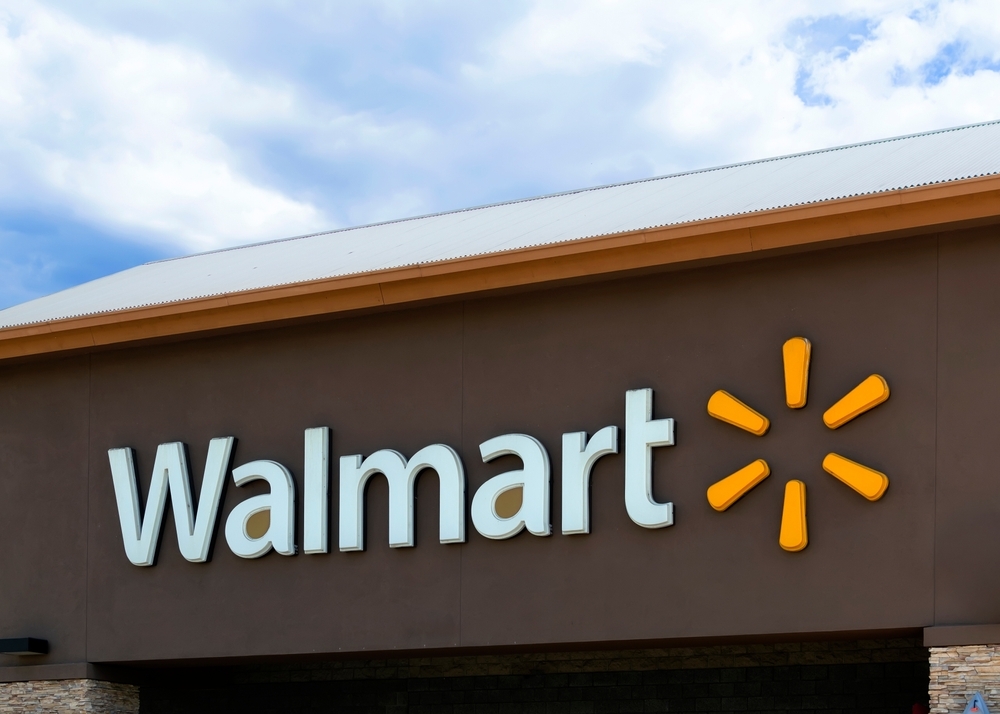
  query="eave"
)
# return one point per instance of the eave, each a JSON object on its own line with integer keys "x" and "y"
{"x": 870, "y": 217}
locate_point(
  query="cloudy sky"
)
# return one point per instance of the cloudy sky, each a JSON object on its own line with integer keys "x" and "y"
{"x": 134, "y": 131}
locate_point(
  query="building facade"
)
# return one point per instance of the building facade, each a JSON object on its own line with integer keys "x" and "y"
{"x": 723, "y": 441}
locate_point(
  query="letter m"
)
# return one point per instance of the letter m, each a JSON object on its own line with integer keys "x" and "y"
{"x": 402, "y": 476}
{"x": 141, "y": 533}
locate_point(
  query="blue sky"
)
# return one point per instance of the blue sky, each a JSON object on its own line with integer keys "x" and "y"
{"x": 135, "y": 131}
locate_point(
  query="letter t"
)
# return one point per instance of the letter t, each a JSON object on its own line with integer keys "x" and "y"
{"x": 642, "y": 433}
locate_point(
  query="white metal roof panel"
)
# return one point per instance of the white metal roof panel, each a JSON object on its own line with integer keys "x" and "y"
{"x": 874, "y": 167}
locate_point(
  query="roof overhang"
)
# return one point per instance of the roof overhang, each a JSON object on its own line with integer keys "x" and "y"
{"x": 878, "y": 216}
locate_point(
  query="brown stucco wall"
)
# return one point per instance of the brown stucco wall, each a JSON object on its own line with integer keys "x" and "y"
{"x": 541, "y": 363}
{"x": 44, "y": 422}
{"x": 967, "y": 524}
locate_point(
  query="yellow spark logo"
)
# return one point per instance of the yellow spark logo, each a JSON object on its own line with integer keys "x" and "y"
{"x": 871, "y": 484}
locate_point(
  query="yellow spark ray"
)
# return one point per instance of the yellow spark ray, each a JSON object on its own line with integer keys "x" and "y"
{"x": 794, "y": 535}
{"x": 870, "y": 393}
{"x": 725, "y": 407}
{"x": 795, "y": 354}
{"x": 724, "y": 493}
{"x": 868, "y": 482}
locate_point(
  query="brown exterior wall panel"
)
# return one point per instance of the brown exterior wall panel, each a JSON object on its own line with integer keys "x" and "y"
{"x": 920, "y": 311}
{"x": 545, "y": 364}
{"x": 389, "y": 382}
{"x": 43, "y": 508}
{"x": 967, "y": 581}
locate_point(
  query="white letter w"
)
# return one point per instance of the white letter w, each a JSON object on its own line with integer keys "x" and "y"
{"x": 142, "y": 533}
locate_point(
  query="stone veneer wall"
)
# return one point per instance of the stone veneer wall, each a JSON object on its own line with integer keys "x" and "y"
{"x": 959, "y": 672}
{"x": 856, "y": 677}
{"x": 68, "y": 695}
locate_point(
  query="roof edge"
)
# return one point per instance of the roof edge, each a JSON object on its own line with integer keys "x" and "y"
{"x": 870, "y": 215}
{"x": 570, "y": 192}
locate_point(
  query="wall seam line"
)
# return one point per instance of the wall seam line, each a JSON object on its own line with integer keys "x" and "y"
{"x": 461, "y": 436}
{"x": 937, "y": 416}
{"x": 86, "y": 582}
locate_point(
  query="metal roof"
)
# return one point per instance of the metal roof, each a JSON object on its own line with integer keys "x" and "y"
{"x": 829, "y": 174}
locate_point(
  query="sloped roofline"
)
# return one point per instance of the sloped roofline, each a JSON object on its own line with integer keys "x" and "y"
{"x": 571, "y": 192}
{"x": 871, "y": 217}
{"x": 966, "y": 194}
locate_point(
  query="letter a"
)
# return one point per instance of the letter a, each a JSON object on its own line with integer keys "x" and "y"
{"x": 532, "y": 481}
{"x": 280, "y": 507}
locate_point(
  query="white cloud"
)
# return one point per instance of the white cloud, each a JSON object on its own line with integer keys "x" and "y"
{"x": 127, "y": 134}
{"x": 386, "y": 112}
{"x": 741, "y": 80}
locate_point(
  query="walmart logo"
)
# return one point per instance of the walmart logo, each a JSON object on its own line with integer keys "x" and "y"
{"x": 503, "y": 506}
{"x": 794, "y": 534}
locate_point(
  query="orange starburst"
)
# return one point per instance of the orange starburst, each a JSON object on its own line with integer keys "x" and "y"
{"x": 794, "y": 533}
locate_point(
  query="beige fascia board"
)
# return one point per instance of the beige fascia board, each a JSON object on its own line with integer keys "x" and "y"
{"x": 924, "y": 207}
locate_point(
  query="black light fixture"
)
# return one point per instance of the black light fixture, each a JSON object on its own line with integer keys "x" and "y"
{"x": 24, "y": 646}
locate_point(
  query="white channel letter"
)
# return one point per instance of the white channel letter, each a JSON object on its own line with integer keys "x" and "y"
{"x": 578, "y": 459}
{"x": 402, "y": 476}
{"x": 533, "y": 479}
{"x": 280, "y": 502}
{"x": 316, "y": 498}
{"x": 141, "y": 533}
{"x": 642, "y": 433}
